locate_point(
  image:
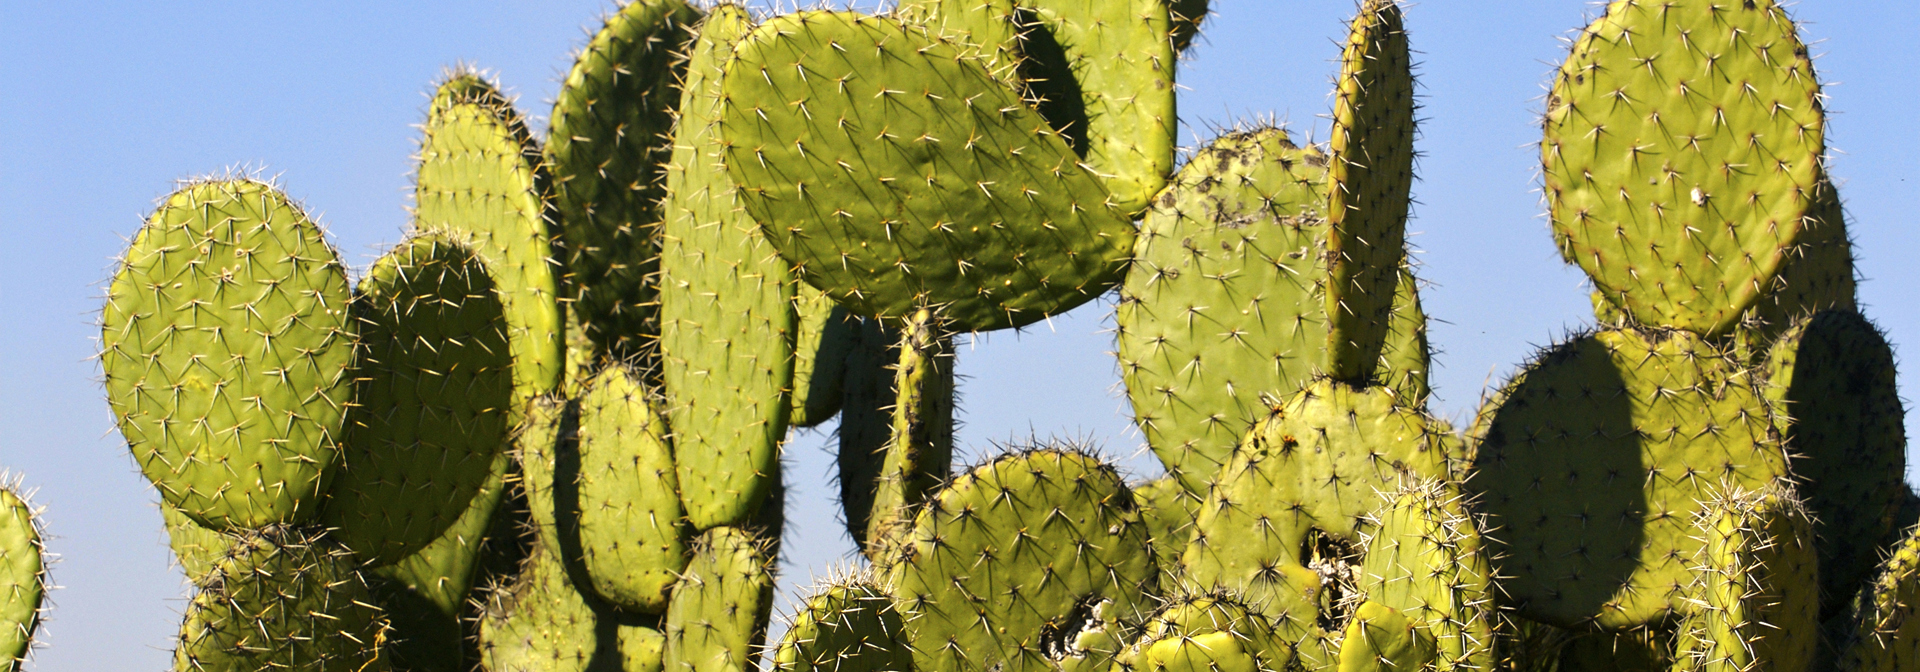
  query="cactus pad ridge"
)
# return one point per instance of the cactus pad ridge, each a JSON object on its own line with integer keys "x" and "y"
{"x": 1884, "y": 626}
{"x": 481, "y": 181}
{"x": 1425, "y": 558}
{"x": 726, "y": 308}
{"x": 1831, "y": 381}
{"x": 1209, "y": 632}
{"x": 1755, "y": 604}
{"x": 1627, "y": 431}
{"x": 1381, "y": 639}
{"x": 431, "y": 393}
{"x": 919, "y": 454}
{"x": 287, "y": 599}
{"x": 895, "y": 173}
{"x": 866, "y": 424}
{"x": 1369, "y": 186}
{"x": 609, "y": 138}
{"x": 23, "y": 573}
{"x": 848, "y": 625}
{"x": 1012, "y": 554}
{"x": 1224, "y": 300}
{"x": 826, "y": 333}
{"x": 225, "y": 342}
{"x": 1682, "y": 155}
{"x": 631, "y": 526}
{"x": 717, "y": 621}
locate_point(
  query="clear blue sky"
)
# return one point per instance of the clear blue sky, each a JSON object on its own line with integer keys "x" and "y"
{"x": 104, "y": 104}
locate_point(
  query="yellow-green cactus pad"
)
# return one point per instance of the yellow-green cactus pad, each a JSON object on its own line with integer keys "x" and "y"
{"x": 1381, "y": 639}
{"x": 226, "y": 341}
{"x": 23, "y": 577}
{"x": 1406, "y": 358}
{"x": 625, "y": 495}
{"x": 726, "y": 308}
{"x": 550, "y": 463}
{"x": 717, "y": 621}
{"x": 1007, "y": 557}
{"x": 283, "y": 599}
{"x": 866, "y": 424}
{"x": 538, "y": 622}
{"x": 1369, "y": 187}
{"x": 195, "y": 548}
{"x": 1425, "y": 558}
{"x": 432, "y": 388}
{"x": 1756, "y": 601}
{"x": 612, "y": 122}
{"x": 1592, "y": 462}
{"x": 426, "y": 593}
{"x": 1212, "y": 632}
{"x": 1884, "y": 628}
{"x": 1817, "y": 273}
{"x": 1683, "y": 155}
{"x": 919, "y": 454}
{"x": 481, "y": 181}
{"x": 1224, "y": 300}
{"x": 896, "y": 173}
{"x": 848, "y": 625}
{"x": 1169, "y": 509}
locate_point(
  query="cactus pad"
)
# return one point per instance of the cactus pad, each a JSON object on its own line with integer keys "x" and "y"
{"x": 549, "y": 461}
{"x": 225, "y": 342}
{"x": 283, "y": 599}
{"x": 480, "y": 181}
{"x": 920, "y": 453}
{"x": 1885, "y": 624}
{"x": 1426, "y": 560}
{"x": 1207, "y": 633}
{"x": 1592, "y": 462}
{"x": 1406, "y": 358}
{"x": 609, "y": 138}
{"x": 1223, "y": 303}
{"x": 726, "y": 308}
{"x": 1817, "y": 273}
{"x": 826, "y": 335}
{"x": 1381, "y": 639}
{"x": 538, "y": 622}
{"x": 866, "y": 424}
{"x": 1012, "y": 556}
{"x": 895, "y": 173}
{"x": 1169, "y": 510}
{"x": 1756, "y": 604}
{"x": 718, "y": 617}
{"x": 425, "y": 594}
{"x": 195, "y": 548}
{"x": 847, "y": 626}
{"x": 628, "y": 506}
{"x": 431, "y": 392}
{"x": 23, "y": 576}
{"x": 1682, "y": 154}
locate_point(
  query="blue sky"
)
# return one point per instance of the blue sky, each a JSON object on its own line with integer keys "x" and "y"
{"x": 104, "y": 104}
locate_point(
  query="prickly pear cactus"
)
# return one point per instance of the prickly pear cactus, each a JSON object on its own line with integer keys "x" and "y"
{"x": 1426, "y": 560}
{"x": 538, "y": 622}
{"x": 1169, "y": 510}
{"x": 609, "y": 139}
{"x": 23, "y": 576}
{"x": 1683, "y": 156}
{"x": 227, "y": 281}
{"x": 848, "y": 625}
{"x": 283, "y": 598}
{"x": 195, "y": 548}
{"x": 717, "y": 620}
{"x": 919, "y": 455}
{"x": 963, "y": 198}
{"x": 1753, "y": 607}
{"x": 1207, "y": 633}
{"x": 426, "y": 594}
{"x": 625, "y": 497}
{"x": 1883, "y": 630}
{"x": 826, "y": 336}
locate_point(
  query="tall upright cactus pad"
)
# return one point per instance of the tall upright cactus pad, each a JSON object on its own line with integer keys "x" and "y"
{"x": 226, "y": 341}
{"x": 726, "y": 307}
{"x": 826, "y": 333}
{"x": 547, "y": 443}
{"x": 1224, "y": 300}
{"x": 896, "y": 173}
{"x": 919, "y": 455}
{"x": 1211, "y": 632}
{"x": 283, "y": 599}
{"x": 1406, "y": 358}
{"x": 1425, "y": 559}
{"x": 1369, "y": 187}
{"x": 1884, "y": 632}
{"x": 866, "y": 424}
{"x": 630, "y": 525}
{"x": 1755, "y": 604}
{"x": 481, "y": 180}
{"x": 1627, "y": 432}
{"x": 848, "y": 625}
{"x": 1298, "y": 494}
{"x": 1682, "y": 155}
{"x": 718, "y": 618}
{"x": 1831, "y": 378}
{"x": 23, "y": 576}
{"x": 612, "y": 122}
{"x": 1011, "y": 555}
{"x": 431, "y": 391}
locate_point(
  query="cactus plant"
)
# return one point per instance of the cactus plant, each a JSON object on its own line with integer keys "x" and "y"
{"x": 1750, "y": 604}
{"x": 1207, "y": 632}
{"x": 625, "y": 500}
{"x": 23, "y": 574}
{"x": 285, "y": 599}
{"x": 720, "y": 605}
{"x": 848, "y": 625}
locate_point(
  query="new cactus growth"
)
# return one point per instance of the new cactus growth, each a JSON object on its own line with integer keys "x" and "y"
{"x": 1751, "y": 608}
{"x": 721, "y": 604}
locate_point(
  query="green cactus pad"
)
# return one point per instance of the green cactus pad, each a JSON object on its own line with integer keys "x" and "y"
{"x": 549, "y": 460}
{"x": 425, "y": 594}
{"x": 1817, "y": 273}
{"x": 538, "y": 622}
{"x": 866, "y": 424}
{"x": 1884, "y": 632}
{"x": 627, "y": 502}
{"x": 23, "y": 575}
{"x": 1426, "y": 560}
{"x": 718, "y": 617}
{"x": 225, "y": 341}
{"x": 1757, "y": 604}
{"x": 1299, "y": 491}
{"x": 1369, "y": 186}
{"x": 1169, "y": 509}
{"x": 1831, "y": 378}
{"x": 726, "y": 308}
{"x": 431, "y": 392}
{"x": 989, "y": 28}
{"x": 1593, "y": 460}
{"x": 195, "y": 548}
{"x": 1207, "y": 633}
{"x": 283, "y": 599}
{"x": 612, "y": 122}
{"x": 1381, "y": 639}
{"x": 1406, "y": 358}
{"x": 1223, "y": 303}
{"x": 895, "y": 173}
{"x": 826, "y": 336}
{"x": 1682, "y": 154}
{"x": 919, "y": 454}
{"x": 480, "y": 180}
{"x": 1012, "y": 555}
{"x": 847, "y": 625}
